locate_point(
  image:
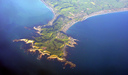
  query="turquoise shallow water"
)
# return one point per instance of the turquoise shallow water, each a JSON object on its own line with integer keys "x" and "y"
{"x": 102, "y": 46}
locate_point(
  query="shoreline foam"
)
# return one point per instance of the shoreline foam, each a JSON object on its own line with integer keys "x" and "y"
{"x": 43, "y": 53}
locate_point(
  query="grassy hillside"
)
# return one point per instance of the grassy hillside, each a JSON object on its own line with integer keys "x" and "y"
{"x": 70, "y": 7}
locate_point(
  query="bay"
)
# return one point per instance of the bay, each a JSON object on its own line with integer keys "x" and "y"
{"x": 103, "y": 45}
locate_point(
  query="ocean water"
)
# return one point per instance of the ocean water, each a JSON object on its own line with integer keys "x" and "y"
{"x": 15, "y": 15}
{"x": 101, "y": 50}
{"x": 103, "y": 45}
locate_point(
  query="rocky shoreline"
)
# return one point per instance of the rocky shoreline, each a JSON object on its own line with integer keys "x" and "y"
{"x": 33, "y": 50}
{"x": 64, "y": 29}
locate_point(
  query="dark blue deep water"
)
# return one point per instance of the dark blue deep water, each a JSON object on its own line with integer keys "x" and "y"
{"x": 15, "y": 15}
{"x": 102, "y": 47}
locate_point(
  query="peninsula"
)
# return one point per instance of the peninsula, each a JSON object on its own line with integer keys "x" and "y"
{"x": 53, "y": 40}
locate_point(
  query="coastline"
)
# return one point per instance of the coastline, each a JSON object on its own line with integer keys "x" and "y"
{"x": 33, "y": 49}
{"x": 67, "y": 26}
{"x": 64, "y": 29}
{"x": 53, "y": 11}
{"x": 103, "y": 12}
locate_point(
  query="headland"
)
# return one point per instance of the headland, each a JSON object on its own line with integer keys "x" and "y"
{"x": 53, "y": 39}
